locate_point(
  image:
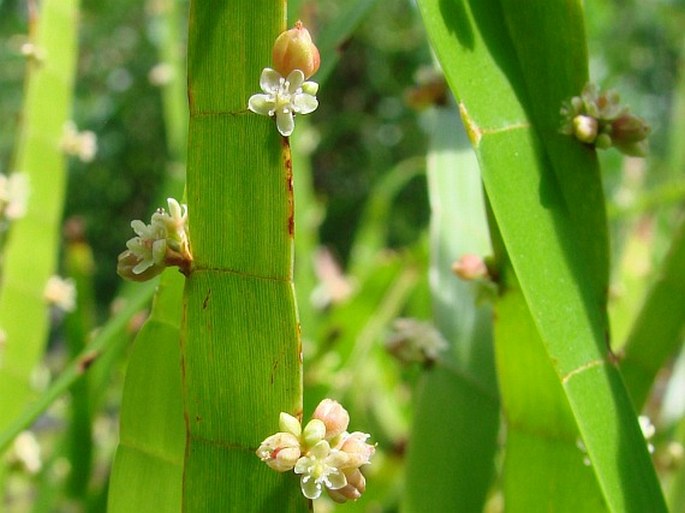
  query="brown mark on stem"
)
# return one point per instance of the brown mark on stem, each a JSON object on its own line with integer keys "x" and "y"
{"x": 87, "y": 360}
{"x": 288, "y": 163}
{"x": 205, "y": 301}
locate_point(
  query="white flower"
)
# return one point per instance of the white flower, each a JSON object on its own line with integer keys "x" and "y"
{"x": 648, "y": 431}
{"x": 61, "y": 293}
{"x": 284, "y": 98}
{"x": 80, "y": 144}
{"x": 150, "y": 245}
{"x": 160, "y": 74}
{"x": 320, "y": 468}
{"x": 14, "y": 194}
{"x": 27, "y": 451}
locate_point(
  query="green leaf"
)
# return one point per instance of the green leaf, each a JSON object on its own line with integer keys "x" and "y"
{"x": 547, "y": 201}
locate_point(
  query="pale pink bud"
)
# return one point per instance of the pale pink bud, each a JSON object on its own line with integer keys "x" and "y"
{"x": 127, "y": 261}
{"x": 359, "y": 452}
{"x": 334, "y": 416}
{"x": 470, "y": 267}
{"x": 355, "y": 487}
{"x": 294, "y": 49}
{"x": 280, "y": 451}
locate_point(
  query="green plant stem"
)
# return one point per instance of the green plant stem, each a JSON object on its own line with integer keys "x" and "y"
{"x": 31, "y": 247}
{"x": 657, "y": 331}
{"x": 240, "y": 344}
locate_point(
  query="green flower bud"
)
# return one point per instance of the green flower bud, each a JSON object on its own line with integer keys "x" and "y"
{"x": 585, "y": 128}
{"x": 294, "y": 49}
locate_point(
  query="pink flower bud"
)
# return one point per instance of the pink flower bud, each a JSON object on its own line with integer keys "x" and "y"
{"x": 334, "y": 416}
{"x": 470, "y": 267}
{"x": 356, "y": 485}
{"x": 294, "y": 49}
{"x": 127, "y": 261}
{"x": 357, "y": 449}
{"x": 280, "y": 451}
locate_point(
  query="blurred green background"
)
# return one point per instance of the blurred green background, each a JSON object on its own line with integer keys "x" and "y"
{"x": 364, "y": 128}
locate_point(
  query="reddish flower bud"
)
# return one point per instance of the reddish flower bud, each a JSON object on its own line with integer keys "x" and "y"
{"x": 294, "y": 49}
{"x": 356, "y": 485}
{"x": 470, "y": 267}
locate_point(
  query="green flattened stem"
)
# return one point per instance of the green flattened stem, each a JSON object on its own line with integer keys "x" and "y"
{"x": 538, "y": 202}
{"x": 32, "y": 243}
{"x": 450, "y": 463}
{"x": 148, "y": 465}
{"x": 241, "y": 348}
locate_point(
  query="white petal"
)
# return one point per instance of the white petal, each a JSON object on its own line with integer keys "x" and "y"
{"x": 270, "y": 80}
{"x": 304, "y": 103}
{"x": 295, "y": 79}
{"x": 285, "y": 122}
{"x": 261, "y": 104}
{"x": 159, "y": 251}
{"x": 310, "y": 88}
{"x": 310, "y": 487}
{"x": 139, "y": 227}
{"x": 336, "y": 480}
{"x": 142, "y": 266}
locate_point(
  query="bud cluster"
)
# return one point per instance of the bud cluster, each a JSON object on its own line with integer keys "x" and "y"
{"x": 324, "y": 454}
{"x": 161, "y": 243}
{"x": 286, "y": 91}
{"x": 413, "y": 341}
{"x": 598, "y": 118}
{"x": 83, "y": 145}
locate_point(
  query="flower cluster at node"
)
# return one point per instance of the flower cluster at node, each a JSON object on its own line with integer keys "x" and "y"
{"x": 413, "y": 341}
{"x": 161, "y": 243}
{"x": 598, "y": 118}
{"x": 286, "y": 91}
{"x": 83, "y": 145}
{"x": 324, "y": 454}
{"x": 60, "y": 292}
{"x": 14, "y": 194}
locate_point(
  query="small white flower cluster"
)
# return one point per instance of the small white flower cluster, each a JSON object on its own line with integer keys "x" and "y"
{"x": 83, "y": 145}
{"x": 284, "y": 97}
{"x": 415, "y": 341}
{"x": 324, "y": 454}
{"x": 61, "y": 293}
{"x": 26, "y": 450}
{"x": 648, "y": 431}
{"x": 156, "y": 245}
{"x": 14, "y": 194}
